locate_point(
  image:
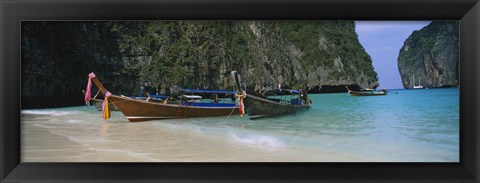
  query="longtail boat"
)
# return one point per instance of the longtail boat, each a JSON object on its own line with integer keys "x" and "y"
{"x": 274, "y": 103}
{"x": 99, "y": 102}
{"x": 141, "y": 110}
{"x": 367, "y": 92}
{"x": 152, "y": 98}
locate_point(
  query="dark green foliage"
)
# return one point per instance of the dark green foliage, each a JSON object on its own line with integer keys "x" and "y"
{"x": 55, "y": 54}
{"x": 187, "y": 54}
{"x": 339, "y": 41}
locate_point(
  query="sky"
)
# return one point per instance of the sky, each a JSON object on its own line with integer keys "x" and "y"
{"x": 383, "y": 40}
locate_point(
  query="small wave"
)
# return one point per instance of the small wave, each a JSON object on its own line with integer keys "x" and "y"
{"x": 43, "y": 126}
{"x": 129, "y": 153}
{"x": 185, "y": 127}
{"x": 53, "y": 113}
{"x": 72, "y": 121}
{"x": 90, "y": 140}
{"x": 262, "y": 140}
{"x": 87, "y": 143}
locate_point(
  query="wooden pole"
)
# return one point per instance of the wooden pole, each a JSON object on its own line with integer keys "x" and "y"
{"x": 99, "y": 85}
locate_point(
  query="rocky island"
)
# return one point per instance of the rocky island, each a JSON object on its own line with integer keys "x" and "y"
{"x": 430, "y": 56}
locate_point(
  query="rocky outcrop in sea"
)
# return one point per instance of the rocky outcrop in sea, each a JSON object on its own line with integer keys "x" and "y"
{"x": 430, "y": 56}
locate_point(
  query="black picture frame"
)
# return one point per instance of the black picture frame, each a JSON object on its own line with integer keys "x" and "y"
{"x": 13, "y": 12}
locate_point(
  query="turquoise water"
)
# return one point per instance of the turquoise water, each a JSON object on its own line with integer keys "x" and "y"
{"x": 405, "y": 125}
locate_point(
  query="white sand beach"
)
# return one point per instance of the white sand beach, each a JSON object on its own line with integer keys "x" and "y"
{"x": 64, "y": 138}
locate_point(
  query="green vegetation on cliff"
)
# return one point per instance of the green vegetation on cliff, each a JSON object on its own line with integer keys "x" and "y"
{"x": 323, "y": 42}
{"x": 432, "y": 55}
{"x": 57, "y": 56}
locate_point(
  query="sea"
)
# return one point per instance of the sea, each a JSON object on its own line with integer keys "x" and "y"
{"x": 403, "y": 126}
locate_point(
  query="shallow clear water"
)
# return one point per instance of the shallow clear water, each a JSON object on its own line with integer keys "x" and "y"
{"x": 405, "y": 125}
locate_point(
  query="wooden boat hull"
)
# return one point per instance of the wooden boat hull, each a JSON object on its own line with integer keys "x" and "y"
{"x": 367, "y": 93}
{"x": 139, "y": 110}
{"x": 99, "y": 103}
{"x": 257, "y": 107}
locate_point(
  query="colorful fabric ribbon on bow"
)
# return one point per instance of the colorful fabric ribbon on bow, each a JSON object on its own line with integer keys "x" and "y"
{"x": 88, "y": 92}
{"x": 105, "y": 109}
{"x": 241, "y": 107}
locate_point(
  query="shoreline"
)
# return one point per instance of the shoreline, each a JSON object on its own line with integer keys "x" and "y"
{"x": 39, "y": 102}
{"x": 43, "y": 145}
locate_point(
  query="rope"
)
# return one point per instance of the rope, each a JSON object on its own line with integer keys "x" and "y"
{"x": 232, "y": 111}
{"x": 242, "y": 125}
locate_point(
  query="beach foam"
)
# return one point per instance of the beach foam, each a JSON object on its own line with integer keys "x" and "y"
{"x": 42, "y": 126}
{"x": 129, "y": 153}
{"x": 49, "y": 112}
{"x": 89, "y": 140}
{"x": 73, "y": 121}
{"x": 262, "y": 140}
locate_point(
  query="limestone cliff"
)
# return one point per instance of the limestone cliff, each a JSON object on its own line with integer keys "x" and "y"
{"x": 431, "y": 56}
{"x": 57, "y": 56}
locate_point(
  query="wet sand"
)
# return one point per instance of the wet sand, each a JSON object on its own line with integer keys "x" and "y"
{"x": 40, "y": 145}
{"x": 47, "y": 140}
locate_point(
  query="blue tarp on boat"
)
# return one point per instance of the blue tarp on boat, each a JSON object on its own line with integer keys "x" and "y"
{"x": 283, "y": 92}
{"x": 296, "y": 101}
{"x": 207, "y": 91}
{"x": 152, "y": 96}
{"x": 293, "y": 91}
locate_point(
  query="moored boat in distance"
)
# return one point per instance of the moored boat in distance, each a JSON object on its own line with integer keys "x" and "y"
{"x": 368, "y": 92}
{"x": 141, "y": 110}
{"x": 419, "y": 86}
{"x": 275, "y": 102}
